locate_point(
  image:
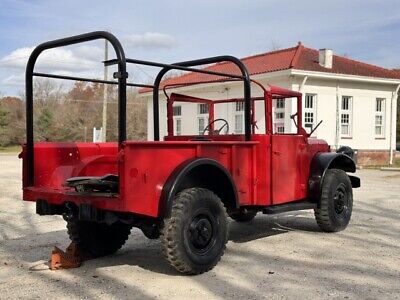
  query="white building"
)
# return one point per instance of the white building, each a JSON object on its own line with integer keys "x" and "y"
{"x": 356, "y": 101}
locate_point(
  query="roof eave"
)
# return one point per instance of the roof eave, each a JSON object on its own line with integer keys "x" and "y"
{"x": 344, "y": 77}
{"x": 279, "y": 73}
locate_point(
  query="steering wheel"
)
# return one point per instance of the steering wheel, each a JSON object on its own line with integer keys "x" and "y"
{"x": 293, "y": 118}
{"x": 216, "y": 131}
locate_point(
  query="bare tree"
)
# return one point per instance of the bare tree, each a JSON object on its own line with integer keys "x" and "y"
{"x": 70, "y": 114}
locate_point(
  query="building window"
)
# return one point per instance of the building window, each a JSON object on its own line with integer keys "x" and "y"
{"x": 202, "y": 109}
{"x": 239, "y": 106}
{"x": 239, "y": 123}
{"x": 202, "y": 122}
{"x": 178, "y": 126}
{"x": 380, "y": 117}
{"x": 202, "y": 116}
{"x": 177, "y": 110}
{"x": 346, "y": 109}
{"x": 309, "y": 119}
{"x": 310, "y": 111}
{"x": 239, "y": 117}
{"x": 280, "y": 103}
{"x": 280, "y": 128}
{"x": 279, "y": 115}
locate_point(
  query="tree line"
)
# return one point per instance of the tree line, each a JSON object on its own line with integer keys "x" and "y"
{"x": 67, "y": 115}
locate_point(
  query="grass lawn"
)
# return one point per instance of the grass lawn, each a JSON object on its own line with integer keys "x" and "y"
{"x": 10, "y": 149}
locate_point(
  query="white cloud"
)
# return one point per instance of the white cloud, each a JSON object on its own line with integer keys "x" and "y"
{"x": 151, "y": 40}
{"x": 91, "y": 52}
{"x": 14, "y": 80}
{"x": 65, "y": 59}
{"x": 82, "y": 61}
{"x": 17, "y": 58}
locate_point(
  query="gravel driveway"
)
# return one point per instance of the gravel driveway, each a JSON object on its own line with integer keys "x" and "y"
{"x": 279, "y": 257}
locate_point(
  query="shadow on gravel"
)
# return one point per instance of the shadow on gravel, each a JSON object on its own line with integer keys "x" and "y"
{"x": 352, "y": 273}
{"x": 144, "y": 253}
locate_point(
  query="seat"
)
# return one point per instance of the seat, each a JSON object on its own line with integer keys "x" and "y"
{"x": 94, "y": 184}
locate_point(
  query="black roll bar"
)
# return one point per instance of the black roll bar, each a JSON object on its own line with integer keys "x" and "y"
{"x": 198, "y": 62}
{"x": 172, "y": 66}
{"x": 121, "y": 75}
{"x": 55, "y": 76}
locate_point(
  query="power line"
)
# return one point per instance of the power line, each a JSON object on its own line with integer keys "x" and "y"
{"x": 99, "y": 102}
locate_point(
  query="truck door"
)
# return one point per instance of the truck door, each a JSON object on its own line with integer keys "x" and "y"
{"x": 287, "y": 154}
{"x": 288, "y": 150}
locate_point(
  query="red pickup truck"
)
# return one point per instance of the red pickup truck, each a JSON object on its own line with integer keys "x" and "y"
{"x": 183, "y": 188}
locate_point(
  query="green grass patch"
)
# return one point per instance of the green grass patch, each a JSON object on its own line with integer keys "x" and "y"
{"x": 11, "y": 149}
{"x": 397, "y": 162}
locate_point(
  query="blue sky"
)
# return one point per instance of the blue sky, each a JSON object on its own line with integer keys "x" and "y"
{"x": 173, "y": 30}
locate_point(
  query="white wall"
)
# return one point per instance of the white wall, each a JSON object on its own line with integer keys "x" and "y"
{"x": 363, "y": 111}
{"x": 328, "y": 92}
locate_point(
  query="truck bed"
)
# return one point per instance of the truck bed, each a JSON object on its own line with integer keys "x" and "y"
{"x": 142, "y": 167}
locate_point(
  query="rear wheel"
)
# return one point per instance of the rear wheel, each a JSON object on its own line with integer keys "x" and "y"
{"x": 98, "y": 239}
{"x": 195, "y": 234}
{"x": 336, "y": 201}
{"x": 242, "y": 215}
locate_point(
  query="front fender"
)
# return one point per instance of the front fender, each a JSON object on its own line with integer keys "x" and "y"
{"x": 324, "y": 161}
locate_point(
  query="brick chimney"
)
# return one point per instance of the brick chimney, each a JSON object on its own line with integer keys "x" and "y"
{"x": 325, "y": 58}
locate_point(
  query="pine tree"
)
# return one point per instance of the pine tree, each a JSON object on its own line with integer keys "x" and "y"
{"x": 45, "y": 125}
{"x": 3, "y": 126}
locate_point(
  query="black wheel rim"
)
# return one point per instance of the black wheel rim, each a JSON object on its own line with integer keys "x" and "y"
{"x": 201, "y": 233}
{"x": 340, "y": 200}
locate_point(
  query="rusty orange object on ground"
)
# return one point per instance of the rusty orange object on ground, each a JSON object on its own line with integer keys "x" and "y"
{"x": 72, "y": 257}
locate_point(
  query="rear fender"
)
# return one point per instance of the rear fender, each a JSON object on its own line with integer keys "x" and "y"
{"x": 324, "y": 161}
{"x": 199, "y": 172}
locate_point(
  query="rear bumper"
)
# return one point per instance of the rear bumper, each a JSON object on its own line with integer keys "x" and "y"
{"x": 83, "y": 211}
{"x": 57, "y": 198}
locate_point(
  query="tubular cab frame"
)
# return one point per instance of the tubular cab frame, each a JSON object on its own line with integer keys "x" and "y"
{"x": 121, "y": 75}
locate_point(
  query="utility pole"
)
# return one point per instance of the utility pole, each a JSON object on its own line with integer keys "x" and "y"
{"x": 105, "y": 93}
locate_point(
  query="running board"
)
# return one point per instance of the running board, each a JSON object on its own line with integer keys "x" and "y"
{"x": 281, "y": 208}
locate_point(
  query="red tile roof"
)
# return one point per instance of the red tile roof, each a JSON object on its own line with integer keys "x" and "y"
{"x": 299, "y": 58}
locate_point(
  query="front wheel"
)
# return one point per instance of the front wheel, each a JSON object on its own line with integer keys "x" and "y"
{"x": 195, "y": 234}
{"x": 336, "y": 201}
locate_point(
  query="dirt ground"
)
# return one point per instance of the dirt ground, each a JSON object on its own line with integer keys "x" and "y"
{"x": 278, "y": 257}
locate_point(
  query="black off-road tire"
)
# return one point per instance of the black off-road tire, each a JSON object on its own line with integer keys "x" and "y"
{"x": 98, "y": 239}
{"x": 242, "y": 216}
{"x": 336, "y": 201}
{"x": 195, "y": 234}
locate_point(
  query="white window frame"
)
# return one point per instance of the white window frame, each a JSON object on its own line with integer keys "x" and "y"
{"x": 177, "y": 116}
{"x": 346, "y": 112}
{"x": 202, "y": 109}
{"x": 310, "y": 111}
{"x": 380, "y": 112}
{"x": 278, "y": 123}
{"x": 202, "y": 114}
{"x": 239, "y": 117}
{"x": 178, "y": 126}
